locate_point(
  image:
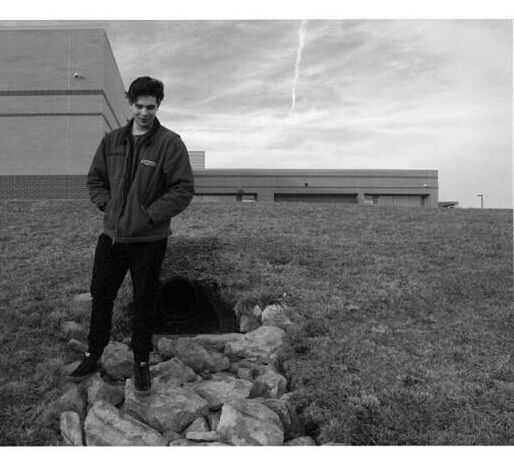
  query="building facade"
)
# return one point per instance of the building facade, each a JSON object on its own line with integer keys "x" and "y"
{"x": 410, "y": 188}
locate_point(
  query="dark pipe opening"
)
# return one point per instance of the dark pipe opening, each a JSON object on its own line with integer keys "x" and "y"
{"x": 184, "y": 306}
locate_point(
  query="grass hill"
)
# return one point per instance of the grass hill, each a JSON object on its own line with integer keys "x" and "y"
{"x": 405, "y": 315}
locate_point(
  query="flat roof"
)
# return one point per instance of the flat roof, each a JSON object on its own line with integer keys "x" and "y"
{"x": 320, "y": 172}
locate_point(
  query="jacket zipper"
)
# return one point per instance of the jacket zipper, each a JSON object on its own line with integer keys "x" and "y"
{"x": 122, "y": 193}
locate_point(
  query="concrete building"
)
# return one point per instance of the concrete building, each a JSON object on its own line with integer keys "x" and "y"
{"x": 411, "y": 188}
{"x": 60, "y": 91}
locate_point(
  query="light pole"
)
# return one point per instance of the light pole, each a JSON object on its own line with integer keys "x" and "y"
{"x": 481, "y": 200}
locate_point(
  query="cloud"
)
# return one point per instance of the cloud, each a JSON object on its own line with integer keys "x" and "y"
{"x": 368, "y": 94}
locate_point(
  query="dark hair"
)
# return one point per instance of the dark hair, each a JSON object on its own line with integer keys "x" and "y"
{"x": 145, "y": 86}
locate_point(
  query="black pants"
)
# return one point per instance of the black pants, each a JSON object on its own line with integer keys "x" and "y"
{"x": 110, "y": 266}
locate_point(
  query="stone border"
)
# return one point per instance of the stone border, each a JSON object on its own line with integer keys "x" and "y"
{"x": 207, "y": 390}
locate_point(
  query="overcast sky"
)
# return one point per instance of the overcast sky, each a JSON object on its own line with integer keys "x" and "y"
{"x": 345, "y": 94}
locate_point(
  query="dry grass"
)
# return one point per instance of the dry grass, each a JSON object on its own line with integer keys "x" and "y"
{"x": 405, "y": 315}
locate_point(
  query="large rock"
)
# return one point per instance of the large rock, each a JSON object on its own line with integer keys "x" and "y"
{"x": 257, "y": 312}
{"x": 198, "y": 425}
{"x": 167, "y": 408}
{"x": 262, "y": 344}
{"x": 276, "y": 315}
{"x": 166, "y": 347}
{"x": 214, "y": 444}
{"x": 98, "y": 389}
{"x": 166, "y": 344}
{"x": 221, "y": 389}
{"x": 182, "y": 443}
{"x": 118, "y": 360}
{"x": 269, "y": 384}
{"x": 253, "y": 367}
{"x": 172, "y": 370}
{"x": 249, "y": 422}
{"x": 245, "y": 373}
{"x": 216, "y": 342}
{"x": 106, "y": 425}
{"x": 199, "y": 358}
{"x": 283, "y": 408}
{"x": 206, "y": 436}
{"x": 71, "y": 429}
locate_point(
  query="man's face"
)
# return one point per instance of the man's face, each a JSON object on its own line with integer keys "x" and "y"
{"x": 144, "y": 110}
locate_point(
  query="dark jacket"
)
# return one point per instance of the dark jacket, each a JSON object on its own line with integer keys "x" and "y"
{"x": 140, "y": 208}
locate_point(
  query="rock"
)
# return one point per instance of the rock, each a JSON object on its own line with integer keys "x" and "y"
{"x": 245, "y": 373}
{"x": 155, "y": 358}
{"x": 302, "y": 440}
{"x": 98, "y": 389}
{"x": 172, "y": 370}
{"x": 81, "y": 304}
{"x": 166, "y": 344}
{"x": 199, "y": 358}
{"x": 182, "y": 442}
{"x": 167, "y": 408}
{"x": 213, "y": 418}
{"x": 207, "y": 436}
{"x": 247, "y": 323}
{"x": 106, "y": 425}
{"x": 221, "y": 389}
{"x": 118, "y": 360}
{"x": 71, "y": 429}
{"x": 257, "y": 312}
{"x": 77, "y": 346}
{"x": 71, "y": 328}
{"x": 166, "y": 347}
{"x": 249, "y": 422}
{"x": 212, "y": 444}
{"x": 198, "y": 425}
{"x": 170, "y": 436}
{"x": 256, "y": 368}
{"x": 275, "y": 315}
{"x": 290, "y": 421}
{"x": 73, "y": 399}
{"x": 269, "y": 384}
{"x": 263, "y": 344}
{"x": 216, "y": 342}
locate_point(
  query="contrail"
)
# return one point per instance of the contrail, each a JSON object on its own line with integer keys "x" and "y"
{"x": 301, "y": 42}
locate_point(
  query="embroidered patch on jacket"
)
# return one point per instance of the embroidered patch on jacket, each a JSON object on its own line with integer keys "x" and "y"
{"x": 147, "y": 162}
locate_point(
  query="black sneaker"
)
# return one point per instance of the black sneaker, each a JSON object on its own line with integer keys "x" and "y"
{"x": 142, "y": 382}
{"x": 89, "y": 366}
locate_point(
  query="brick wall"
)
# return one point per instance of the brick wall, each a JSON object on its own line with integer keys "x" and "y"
{"x": 43, "y": 187}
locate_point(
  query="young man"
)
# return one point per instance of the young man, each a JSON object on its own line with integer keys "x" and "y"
{"x": 140, "y": 178}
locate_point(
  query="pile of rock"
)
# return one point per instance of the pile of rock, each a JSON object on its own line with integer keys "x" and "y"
{"x": 207, "y": 390}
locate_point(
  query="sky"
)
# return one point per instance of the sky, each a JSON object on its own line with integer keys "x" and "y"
{"x": 341, "y": 94}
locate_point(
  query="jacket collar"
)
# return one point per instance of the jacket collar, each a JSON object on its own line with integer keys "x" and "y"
{"x": 148, "y": 136}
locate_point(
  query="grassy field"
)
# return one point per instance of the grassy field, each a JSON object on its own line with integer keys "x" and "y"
{"x": 406, "y": 316}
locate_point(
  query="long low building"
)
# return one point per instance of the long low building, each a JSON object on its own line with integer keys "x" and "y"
{"x": 413, "y": 188}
